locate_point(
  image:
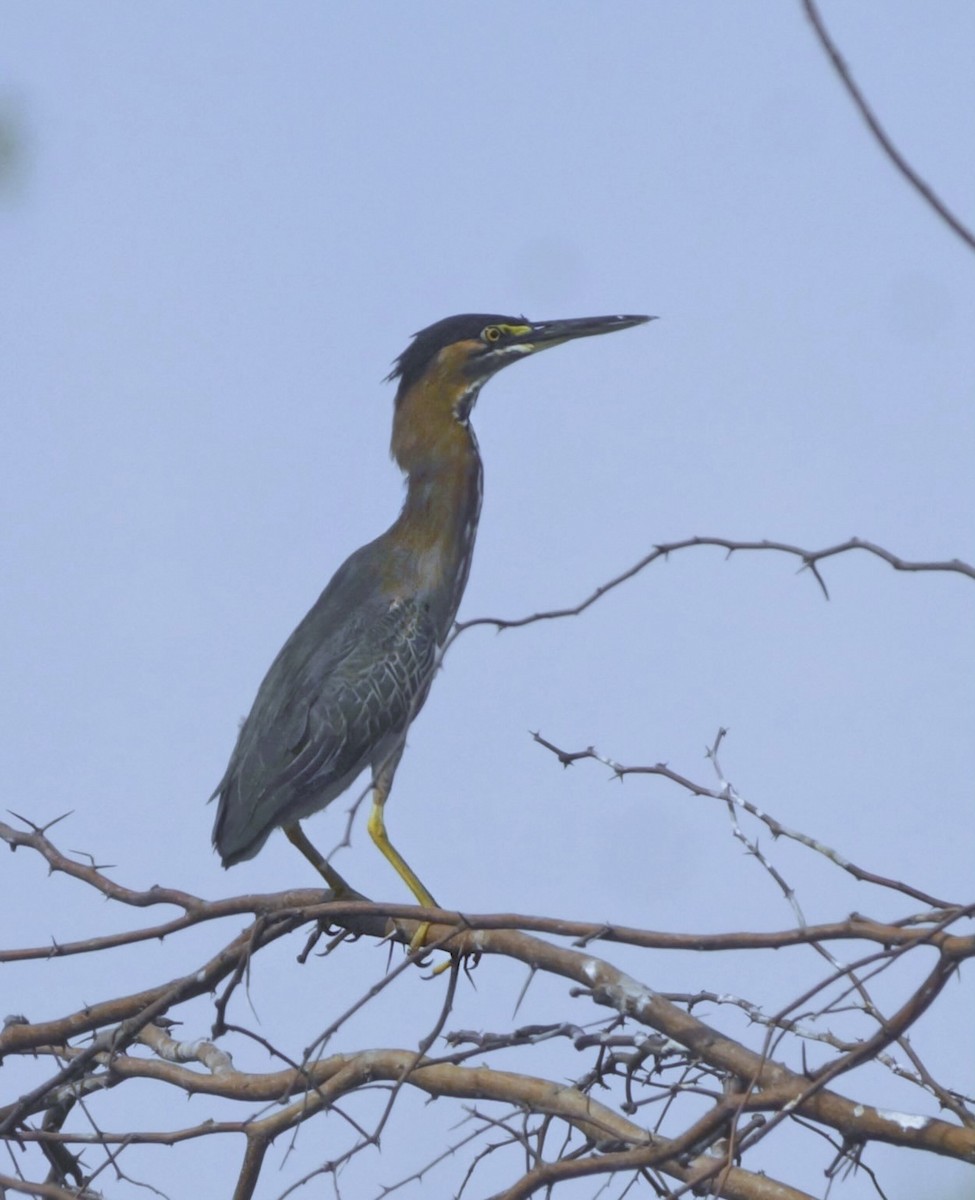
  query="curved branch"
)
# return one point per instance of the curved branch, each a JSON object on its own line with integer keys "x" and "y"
{"x": 48, "y": 1191}
{"x": 322, "y": 1083}
{"x": 727, "y": 794}
{"x": 379, "y": 919}
{"x": 773, "y": 1086}
{"x": 810, "y": 561}
{"x": 883, "y": 140}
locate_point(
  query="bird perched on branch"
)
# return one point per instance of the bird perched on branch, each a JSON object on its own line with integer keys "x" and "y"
{"x": 342, "y": 692}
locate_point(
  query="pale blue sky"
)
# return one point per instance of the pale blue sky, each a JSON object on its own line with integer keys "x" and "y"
{"x": 229, "y": 218}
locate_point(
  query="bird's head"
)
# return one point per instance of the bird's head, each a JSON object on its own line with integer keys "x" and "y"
{"x": 444, "y": 368}
{"x": 461, "y": 353}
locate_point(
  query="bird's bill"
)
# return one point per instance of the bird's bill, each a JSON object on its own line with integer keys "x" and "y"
{"x": 543, "y": 334}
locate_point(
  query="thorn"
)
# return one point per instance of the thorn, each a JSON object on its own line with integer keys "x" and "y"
{"x": 524, "y": 991}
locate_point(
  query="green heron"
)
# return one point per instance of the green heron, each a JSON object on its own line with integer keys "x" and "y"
{"x": 341, "y": 694}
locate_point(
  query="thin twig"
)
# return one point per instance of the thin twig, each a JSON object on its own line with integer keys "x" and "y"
{"x": 878, "y": 131}
{"x": 810, "y": 560}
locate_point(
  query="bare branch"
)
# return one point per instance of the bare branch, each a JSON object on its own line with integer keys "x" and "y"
{"x": 568, "y": 757}
{"x": 810, "y": 560}
{"x": 883, "y": 140}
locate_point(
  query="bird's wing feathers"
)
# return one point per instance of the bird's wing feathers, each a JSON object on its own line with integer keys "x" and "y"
{"x": 338, "y": 697}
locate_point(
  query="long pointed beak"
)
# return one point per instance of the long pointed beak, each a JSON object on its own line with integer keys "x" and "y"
{"x": 553, "y": 333}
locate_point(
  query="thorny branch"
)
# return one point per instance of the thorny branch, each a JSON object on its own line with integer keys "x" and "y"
{"x": 809, "y": 559}
{"x": 312, "y": 1086}
{"x": 729, "y": 796}
{"x": 666, "y": 1090}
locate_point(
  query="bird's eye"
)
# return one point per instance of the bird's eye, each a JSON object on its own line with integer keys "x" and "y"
{"x": 492, "y": 334}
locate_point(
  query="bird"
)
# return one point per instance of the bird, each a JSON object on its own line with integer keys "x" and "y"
{"x": 345, "y": 687}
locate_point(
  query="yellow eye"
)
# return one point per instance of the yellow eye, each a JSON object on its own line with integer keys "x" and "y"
{"x": 492, "y": 334}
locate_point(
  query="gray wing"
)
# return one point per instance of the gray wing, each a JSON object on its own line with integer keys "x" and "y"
{"x": 338, "y": 698}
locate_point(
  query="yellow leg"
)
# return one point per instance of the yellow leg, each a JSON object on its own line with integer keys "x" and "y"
{"x": 296, "y": 836}
{"x": 377, "y": 831}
